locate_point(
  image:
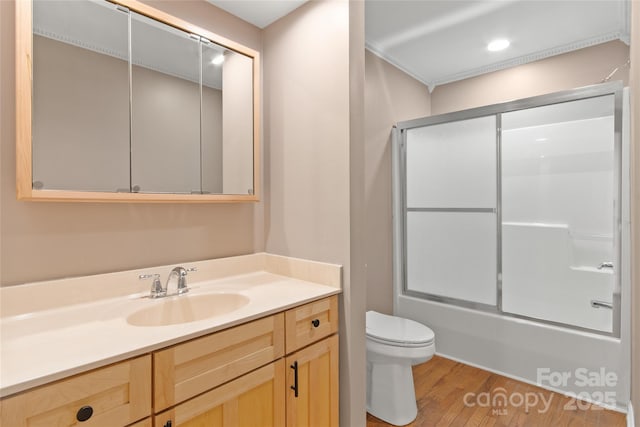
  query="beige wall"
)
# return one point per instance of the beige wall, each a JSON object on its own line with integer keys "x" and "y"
{"x": 353, "y": 380}
{"x": 312, "y": 206}
{"x": 391, "y": 96}
{"x": 635, "y": 206}
{"x": 40, "y": 241}
{"x": 571, "y": 70}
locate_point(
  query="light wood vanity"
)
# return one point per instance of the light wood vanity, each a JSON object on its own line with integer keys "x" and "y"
{"x": 278, "y": 370}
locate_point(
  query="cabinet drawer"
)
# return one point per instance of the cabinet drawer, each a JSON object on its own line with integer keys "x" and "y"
{"x": 255, "y": 399}
{"x": 191, "y": 368}
{"x": 311, "y": 322}
{"x": 118, "y": 395}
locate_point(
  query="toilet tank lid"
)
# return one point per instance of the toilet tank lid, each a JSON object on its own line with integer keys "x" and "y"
{"x": 397, "y": 329}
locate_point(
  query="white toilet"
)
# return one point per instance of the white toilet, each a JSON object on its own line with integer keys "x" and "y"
{"x": 394, "y": 345}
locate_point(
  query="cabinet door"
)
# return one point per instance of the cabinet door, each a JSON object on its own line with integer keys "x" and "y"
{"x": 312, "y": 385}
{"x": 144, "y": 423}
{"x": 113, "y": 396}
{"x": 255, "y": 399}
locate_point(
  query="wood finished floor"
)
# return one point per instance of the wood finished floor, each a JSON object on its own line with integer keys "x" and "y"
{"x": 441, "y": 385}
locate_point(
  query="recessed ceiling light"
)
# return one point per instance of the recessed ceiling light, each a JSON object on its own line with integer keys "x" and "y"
{"x": 218, "y": 60}
{"x": 498, "y": 44}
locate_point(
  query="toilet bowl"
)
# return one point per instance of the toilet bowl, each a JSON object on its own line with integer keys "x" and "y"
{"x": 394, "y": 345}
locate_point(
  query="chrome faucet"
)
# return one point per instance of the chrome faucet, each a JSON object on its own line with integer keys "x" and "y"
{"x": 178, "y": 275}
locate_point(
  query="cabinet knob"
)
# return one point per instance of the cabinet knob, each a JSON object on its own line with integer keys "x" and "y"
{"x": 84, "y": 413}
{"x": 315, "y": 323}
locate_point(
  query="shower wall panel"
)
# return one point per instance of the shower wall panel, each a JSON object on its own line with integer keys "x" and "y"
{"x": 559, "y": 203}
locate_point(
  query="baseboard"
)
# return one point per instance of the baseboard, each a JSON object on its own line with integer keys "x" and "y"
{"x": 618, "y": 408}
{"x": 630, "y": 417}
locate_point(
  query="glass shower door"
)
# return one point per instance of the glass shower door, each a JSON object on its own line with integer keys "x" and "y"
{"x": 451, "y": 205}
{"x": 559, "y": 222}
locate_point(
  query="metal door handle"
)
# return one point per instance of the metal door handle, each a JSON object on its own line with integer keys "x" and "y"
{"x": 294, "y": 387}
{"x": 606, "y": 264}
{"x": 601, "y": 304}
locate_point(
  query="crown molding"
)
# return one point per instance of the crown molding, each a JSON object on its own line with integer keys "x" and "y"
{"x": 514, "y": 62}
{"x": 526, "y": 59}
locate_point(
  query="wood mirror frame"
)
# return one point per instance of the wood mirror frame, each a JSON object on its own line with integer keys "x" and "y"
{"x": 24, "y": 96}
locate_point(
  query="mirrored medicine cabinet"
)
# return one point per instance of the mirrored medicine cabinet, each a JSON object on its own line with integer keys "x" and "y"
{"x": 118, "y": 101}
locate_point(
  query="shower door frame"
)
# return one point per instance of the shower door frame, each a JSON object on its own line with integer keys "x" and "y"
{"x": 400, "y": 208}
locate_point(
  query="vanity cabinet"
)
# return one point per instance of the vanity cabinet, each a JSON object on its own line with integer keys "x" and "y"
{"x": 312, "y": 375}
{"x": 117, "y": 395}
{"x": 191, "y": 368}
{"x": 280, "y": 370}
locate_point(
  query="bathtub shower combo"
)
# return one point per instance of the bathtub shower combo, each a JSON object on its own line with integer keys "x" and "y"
{"x": 511, "y": 235}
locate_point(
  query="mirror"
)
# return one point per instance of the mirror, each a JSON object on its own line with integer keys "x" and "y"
{"x": 80, "y": 97}
{"x": 128, "y": 103}
{"x": 165, "y": 105}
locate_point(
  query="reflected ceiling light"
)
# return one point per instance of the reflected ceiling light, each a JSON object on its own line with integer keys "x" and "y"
{"x": 497, "y": 45}
{"x": 218, "y": 60}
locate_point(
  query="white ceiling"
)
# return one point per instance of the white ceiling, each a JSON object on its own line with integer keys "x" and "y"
{"x": 441, "y": 41}
{"x": 258, "y": 12}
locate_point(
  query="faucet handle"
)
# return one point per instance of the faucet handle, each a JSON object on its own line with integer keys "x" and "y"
{"x": 182, "y": 279}
{"x": 157, "y": 290}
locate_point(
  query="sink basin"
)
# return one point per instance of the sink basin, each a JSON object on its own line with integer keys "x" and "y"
{"x": 186, "y": 308}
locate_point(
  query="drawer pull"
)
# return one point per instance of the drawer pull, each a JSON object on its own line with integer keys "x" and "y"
{"x": 84, "y": 413}
{"x": 294, "y": 387}
{"x": 315, "y": 323}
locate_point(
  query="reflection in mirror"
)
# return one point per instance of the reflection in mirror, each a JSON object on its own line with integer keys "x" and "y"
{"x": 165, "y": 119}
{"x": 234, "y": 71}
{"x": 80, "y": 96}
{"x": 212, "y": 147}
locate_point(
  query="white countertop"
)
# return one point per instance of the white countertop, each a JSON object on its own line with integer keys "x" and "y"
{"x": 43, "y": 346}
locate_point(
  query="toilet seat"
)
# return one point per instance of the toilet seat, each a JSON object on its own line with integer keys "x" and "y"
{"x": 396, "y": 331}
